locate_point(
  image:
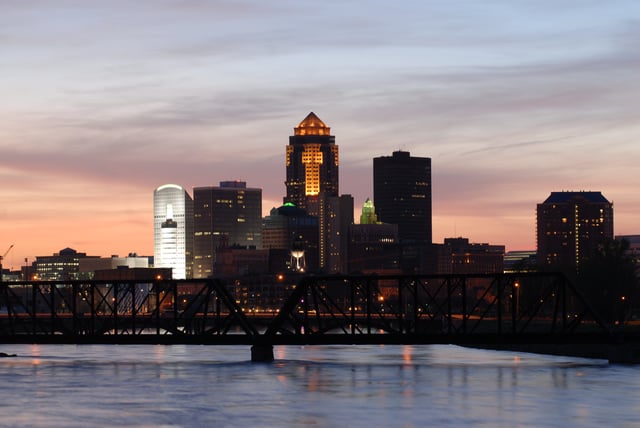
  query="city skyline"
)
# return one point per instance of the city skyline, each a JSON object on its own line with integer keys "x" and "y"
{"x": 510, "y": 101}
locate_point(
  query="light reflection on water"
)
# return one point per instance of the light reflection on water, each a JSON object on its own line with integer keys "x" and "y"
{"x": 372, "y": 386}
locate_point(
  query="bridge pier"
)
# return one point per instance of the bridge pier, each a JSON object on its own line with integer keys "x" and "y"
{"x": 262, "y": 353}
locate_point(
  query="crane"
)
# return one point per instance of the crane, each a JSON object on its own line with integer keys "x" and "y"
{"x": 2, "y": 258}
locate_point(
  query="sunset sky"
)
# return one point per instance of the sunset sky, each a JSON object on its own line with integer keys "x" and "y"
{"x": 103, "y": 101}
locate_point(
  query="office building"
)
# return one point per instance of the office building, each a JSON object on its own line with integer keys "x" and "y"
{"x": 312, "y": 164}
{"x": 291, "y": 236}
{"x": 463, "y": 257}
{"x": 173, "y": 230}
{"x": 520, "y": 261}
{"x": 570, "y": 225}
{"x": 88, "y": 266}
{"x": 229, "y": 215}
{"x": 312, "y": 184}
{"x": 402, "y": 196}
{"x": 61, "y": 266}
{"x": 336, "y": 215}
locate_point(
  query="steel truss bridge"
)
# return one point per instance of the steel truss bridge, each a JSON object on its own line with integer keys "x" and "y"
{"x": 537, "y": 312}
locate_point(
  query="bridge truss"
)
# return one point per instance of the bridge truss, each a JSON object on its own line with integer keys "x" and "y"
{"x": 488, "y": 310}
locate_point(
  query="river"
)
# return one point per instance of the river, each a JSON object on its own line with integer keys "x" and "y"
{"x": 312, "y": 386}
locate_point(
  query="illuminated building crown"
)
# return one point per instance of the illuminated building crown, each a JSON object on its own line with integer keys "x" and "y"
{"x": 312, "y": 125}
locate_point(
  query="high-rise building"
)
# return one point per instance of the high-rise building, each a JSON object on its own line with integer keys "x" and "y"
{"x": 173, "y": 230}
{"x": 336, "y": 215}
{"x": 312, "y": 184}
{"x": 570, "y": 225}
{"x": 312, "y": 164}
{"x": 229, "y": 215}
{"x": 402, "y": 196}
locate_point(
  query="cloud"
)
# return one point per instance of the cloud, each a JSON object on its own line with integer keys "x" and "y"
{"x": 510, "y": 100}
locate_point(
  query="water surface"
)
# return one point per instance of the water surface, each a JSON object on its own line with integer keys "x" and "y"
{"x": 318, "y": 386}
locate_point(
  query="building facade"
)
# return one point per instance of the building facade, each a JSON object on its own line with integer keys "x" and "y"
{"x": 402, "y": 196}
{"x": 312, "y": 182}
{"x": 173, "y": 230}
{"x": 335, "y": 218}
{"x": 570, "y": 225}
{"x": 373, "y": 248}
{"x": 312, "y": 164}
{"x": 291, "y": 236}
{"x": 89, "y": 265}
{"x": 473, "y": 258}
{"x": 61, "y": 266}
{"x": 229, "y": 215}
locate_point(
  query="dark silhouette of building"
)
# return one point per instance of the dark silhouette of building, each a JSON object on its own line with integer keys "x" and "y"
{"x": 233, "y": 262}
{"x": 463, "y": 257}
{"x": 336, "y": 216}
{"x": 229, "y": 215}
{"x": 126, "y": 273}
{"x": 291, "y": 236}
{"x": 570, "y": 226}
{"x": 373, "y": 245}
{"x": 402, "y": 196}
{"x": 373, "y": 248}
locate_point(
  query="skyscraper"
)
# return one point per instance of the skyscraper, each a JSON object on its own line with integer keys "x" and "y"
{"x": 570, "y": 225}
{"x": 402, "y": 196}
{"x": 312, "y": 184}
{"x": 229, "y": 215}
{"x": 173, "y": 230}
{"x": 312, "y": 164}
{"x": 336, "y": 215}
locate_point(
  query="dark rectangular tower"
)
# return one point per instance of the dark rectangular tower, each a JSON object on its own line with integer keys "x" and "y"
{"x": 226, "y": 216}
{"x": 402, "y": 196}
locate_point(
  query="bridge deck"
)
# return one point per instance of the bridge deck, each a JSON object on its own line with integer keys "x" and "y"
{"x": 532, "y": 311}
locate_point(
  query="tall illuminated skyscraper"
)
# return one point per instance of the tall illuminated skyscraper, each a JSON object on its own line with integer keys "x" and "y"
{"x": 312, "y": 184}
{"x": 312, "y": 164}
{"x": 173, "y": 230}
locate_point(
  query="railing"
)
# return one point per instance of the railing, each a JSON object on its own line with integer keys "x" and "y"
{"x": 463, "y": 309}
{"x": 449, "y": 306}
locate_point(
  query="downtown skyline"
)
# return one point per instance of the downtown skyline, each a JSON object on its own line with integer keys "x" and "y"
{"x": 104, "y": 102}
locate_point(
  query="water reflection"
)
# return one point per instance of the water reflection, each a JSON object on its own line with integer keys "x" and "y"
{"x": 370, "y": 386}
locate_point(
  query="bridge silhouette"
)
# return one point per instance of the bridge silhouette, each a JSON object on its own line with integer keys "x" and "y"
{"x": 532, "y": 312}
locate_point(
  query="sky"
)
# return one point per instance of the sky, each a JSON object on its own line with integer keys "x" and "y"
{"x": 103, "y": 101}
